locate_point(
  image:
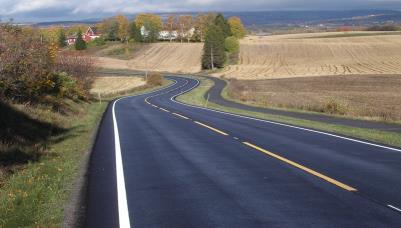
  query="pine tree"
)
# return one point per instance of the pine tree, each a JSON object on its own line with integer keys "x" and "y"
{"x": 62, "y": 39}
{"x": 221, "y": 22}
{"x": 80, "y": 43}
{"x": 213, "y": 51}
{"x": 135, "y": 33}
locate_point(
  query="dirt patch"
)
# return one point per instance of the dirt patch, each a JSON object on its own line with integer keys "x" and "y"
{"x": 116, "y": 84}
{"x": 370, "y": 96}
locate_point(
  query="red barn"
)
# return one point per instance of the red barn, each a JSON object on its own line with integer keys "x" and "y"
{"x": 88, "y": 36}
{"x": 91, "y": 34}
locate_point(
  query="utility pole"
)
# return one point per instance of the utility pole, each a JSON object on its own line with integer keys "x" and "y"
{"x": 212, "y": 58}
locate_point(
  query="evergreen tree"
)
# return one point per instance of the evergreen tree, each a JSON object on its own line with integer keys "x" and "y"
{"x": 80, "y": 43}
{"x": 62, "y": 39}
{"x": 213, "y": 51}
{"x": 135, "y": 33}
{"x": 221, "y": 22}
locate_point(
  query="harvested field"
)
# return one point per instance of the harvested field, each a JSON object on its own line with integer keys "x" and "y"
{"x": 320, "y": 54}
{"x": 370, "y": 96}
{"x": 168, "y": 57}
{"x": 116, "y": 84}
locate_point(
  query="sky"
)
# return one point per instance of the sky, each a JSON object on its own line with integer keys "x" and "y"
{"x": 51, "y": 10}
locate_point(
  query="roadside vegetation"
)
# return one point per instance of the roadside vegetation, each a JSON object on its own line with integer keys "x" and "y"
{"x": 197, "y": 97}
{"x": 48, "y": 119}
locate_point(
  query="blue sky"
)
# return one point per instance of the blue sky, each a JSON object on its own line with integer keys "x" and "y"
{"x": 47, "y": 10}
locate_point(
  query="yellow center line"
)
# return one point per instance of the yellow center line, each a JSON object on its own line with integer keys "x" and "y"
{"x": 211, "y": 128}
{"x": 299, "y": 166}
{"x": 184, "y": 117}
{"x": 165, "y": 110}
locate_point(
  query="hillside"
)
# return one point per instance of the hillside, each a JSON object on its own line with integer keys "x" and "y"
{"x": 264, "y": 57}
{"x": 170, "y": 57}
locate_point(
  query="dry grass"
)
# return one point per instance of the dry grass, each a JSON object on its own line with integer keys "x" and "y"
{"x": 116, "y": 84}
{"x": 370, "y": 96}
{"x": 168, "y": 57}
{"x": 319, "y": 54}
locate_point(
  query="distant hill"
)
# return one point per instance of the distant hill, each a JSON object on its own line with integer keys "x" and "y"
{"x": 280, "y": 18}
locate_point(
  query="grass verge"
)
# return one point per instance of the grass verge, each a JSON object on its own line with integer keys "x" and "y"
{"x": 196, "y": 97}
{"x": 35, "y": 193}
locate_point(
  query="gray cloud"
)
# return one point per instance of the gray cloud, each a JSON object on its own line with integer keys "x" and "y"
{"x": 37, "y": 10}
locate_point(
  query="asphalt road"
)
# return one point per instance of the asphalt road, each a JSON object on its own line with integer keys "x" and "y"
{"x": 215, "y": 97}
{"x": 159, "y": 163}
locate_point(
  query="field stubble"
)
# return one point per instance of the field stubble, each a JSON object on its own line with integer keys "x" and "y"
{"x": 375, "y": 97}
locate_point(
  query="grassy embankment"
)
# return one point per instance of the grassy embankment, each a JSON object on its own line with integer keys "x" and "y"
{"x": 196, "y": 97}
{"x": 42, "y": 159}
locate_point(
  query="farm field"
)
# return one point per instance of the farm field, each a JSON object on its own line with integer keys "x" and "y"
{"x": 318, "y": 54}
{"x": 376, "y": 97}
{"x": 168, "y": 57}
{"x": 115, "y": 84}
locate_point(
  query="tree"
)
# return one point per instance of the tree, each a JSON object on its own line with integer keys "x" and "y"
{"x": 221, "y": 22}
{"x": 171, "y": 25}
{"x": 152, "y": 23}
{"x": 185, "y": 24}
{"x": 123, "y": 27}
{"x": 237, "y": 28}
{"x": 231, "y": 44}
{"x": 213, "y": 50}
{"x": 135, "y": 33}
{"x": 109, "y": 28}
{"x": 62, "y": 39}
{"x": 80, "y": 43}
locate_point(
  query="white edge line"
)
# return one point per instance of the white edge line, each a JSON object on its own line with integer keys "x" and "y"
{"x": 395, "y": 208}
{"x": 123, "y": 212}
{"x": 276, "y": 123}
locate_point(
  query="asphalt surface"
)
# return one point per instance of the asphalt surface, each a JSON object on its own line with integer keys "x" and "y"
{"x": 219, "y": 85}
{"x": 185, "y": 166}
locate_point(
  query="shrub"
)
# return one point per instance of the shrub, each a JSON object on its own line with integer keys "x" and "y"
{"x": 154, "y": 79}
{"x": 97, "y": 42}
{"x": 231, "y": 44}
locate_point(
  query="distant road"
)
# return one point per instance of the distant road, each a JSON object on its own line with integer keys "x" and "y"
{"x": 160, "y": 163}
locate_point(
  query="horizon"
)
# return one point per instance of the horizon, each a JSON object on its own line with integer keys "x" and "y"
{"x": 57, "y": 10}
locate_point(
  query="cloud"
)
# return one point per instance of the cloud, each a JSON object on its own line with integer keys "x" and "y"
{"x": 78, "y": 9}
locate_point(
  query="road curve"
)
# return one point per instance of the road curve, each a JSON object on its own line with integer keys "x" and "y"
{"x": 160, "y": 163}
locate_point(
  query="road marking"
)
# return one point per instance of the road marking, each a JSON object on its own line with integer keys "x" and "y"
{"x": 173, "y": 98}
{"x": 123, "y": 214}
{"x": 299, "y": 166}
{"x": 184, "y": 117}
{"x": 211, "y": 128}
{"x": 394, "y": 208}
{"x": 236, "y": 138}
{"x": 164, "y": 110}
{"x": 154, "y": 106}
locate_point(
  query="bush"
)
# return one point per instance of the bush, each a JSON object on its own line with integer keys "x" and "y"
{"x": 231, "y": 44}
{"x": 154, "y": 79}
{"x": 97, "y": 42}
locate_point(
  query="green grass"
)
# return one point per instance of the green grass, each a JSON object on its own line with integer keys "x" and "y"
{"x": 36, "y": 193}
{"x": 196, "y": 97}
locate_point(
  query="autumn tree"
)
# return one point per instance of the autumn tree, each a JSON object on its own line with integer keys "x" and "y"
{"x": 109, "y": 28}
{"x": 152, "y": 23}
{"x": 237, "y": 28}
{"x": 185, "y": 23}
{"x": 213, "y": 51}
{"x": 80, "y": 43}
{"x": 171, "y": 25}
{"x": 123, "y": 27}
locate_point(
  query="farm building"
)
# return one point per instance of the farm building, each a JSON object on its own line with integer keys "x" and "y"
{"x": 90, "y": 34}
